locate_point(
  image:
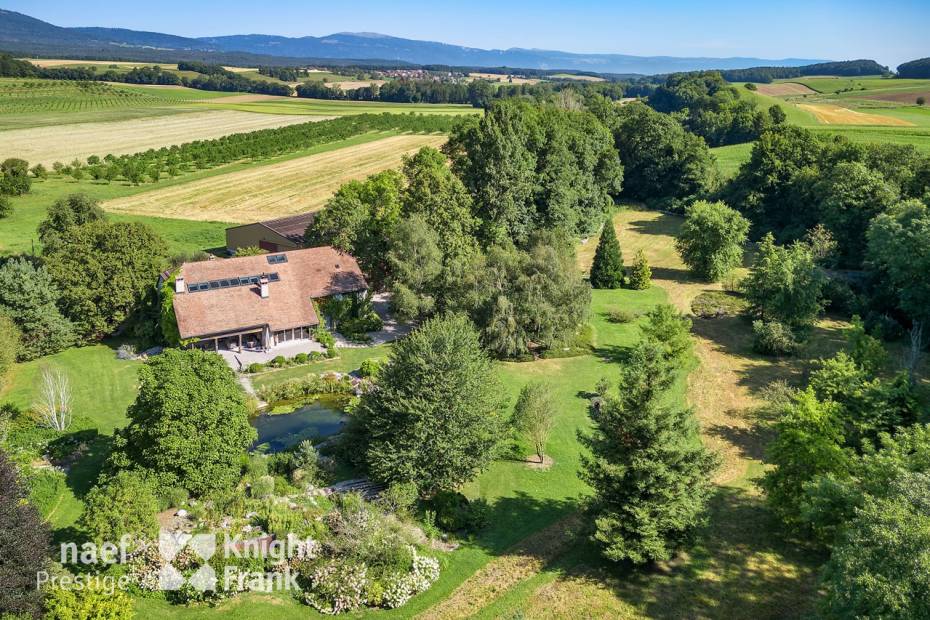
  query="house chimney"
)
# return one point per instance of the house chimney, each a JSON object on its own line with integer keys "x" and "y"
{"x": 263, "y": 285}
{"x": 179, "y": 284}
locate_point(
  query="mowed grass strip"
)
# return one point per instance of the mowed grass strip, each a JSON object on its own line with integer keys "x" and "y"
{"x": 65, "y": 143}
{"x": 830, "y": 114}
{"x": 276, "y": 190}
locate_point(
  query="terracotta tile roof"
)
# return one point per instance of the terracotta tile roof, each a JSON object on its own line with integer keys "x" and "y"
{"x": 307, "y": 274}
{"x": 293, "y": 227}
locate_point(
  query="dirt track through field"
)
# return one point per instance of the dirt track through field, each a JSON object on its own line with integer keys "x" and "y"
{"x": 784, "y": 89}
{"x": 265, "y": 192}
{"x": 830, "y": 114}
{"x": 65, "y": 142}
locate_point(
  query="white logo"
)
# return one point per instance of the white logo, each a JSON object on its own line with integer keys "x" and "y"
{"x": 170, "y": 544}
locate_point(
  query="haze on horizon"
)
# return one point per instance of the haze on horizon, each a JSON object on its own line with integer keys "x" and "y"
{"x": 829, "y": 29}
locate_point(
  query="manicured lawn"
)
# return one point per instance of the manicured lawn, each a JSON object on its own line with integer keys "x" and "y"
{"x": 347, "y": 361}
{"x": 730, "y": 158}
{"x": 102, "y": 385}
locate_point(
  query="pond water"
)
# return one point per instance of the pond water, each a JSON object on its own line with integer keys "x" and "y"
{"x": 315, "y": 421}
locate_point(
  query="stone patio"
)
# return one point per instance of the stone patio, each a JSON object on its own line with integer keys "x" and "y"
{"x": 240, "y": 360}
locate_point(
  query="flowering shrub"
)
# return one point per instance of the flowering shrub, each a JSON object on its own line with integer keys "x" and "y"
{"x": 145, "y": 566}
{"x": 401, "y": 588}
{"x": 337, "y": 587}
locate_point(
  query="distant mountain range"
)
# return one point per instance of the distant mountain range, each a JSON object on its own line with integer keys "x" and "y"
{"x": 26, "y": 35}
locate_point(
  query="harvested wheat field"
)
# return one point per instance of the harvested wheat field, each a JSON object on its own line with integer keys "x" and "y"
{"x": 353, "y": 84}
{"x": 784, "y": 89}
{"x": 830, "y": 114}
{"x": 65, "y": 142}
{"x": 265, "y": 192}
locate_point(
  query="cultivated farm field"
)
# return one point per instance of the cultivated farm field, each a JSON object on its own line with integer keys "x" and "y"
{"x": 41, "y": 103}
{"x": 80, "y": 140}
{"x": 264, "y": 192}
{"x": 830, "y": 114}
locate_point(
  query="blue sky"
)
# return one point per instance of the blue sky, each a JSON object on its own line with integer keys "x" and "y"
{"x": 890, "y": 32}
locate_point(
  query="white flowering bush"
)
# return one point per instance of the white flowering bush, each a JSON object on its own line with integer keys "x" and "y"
{"x": 400, "y": 588}
{"x": 145, "y": 567}
{"x": 337, "y": 587}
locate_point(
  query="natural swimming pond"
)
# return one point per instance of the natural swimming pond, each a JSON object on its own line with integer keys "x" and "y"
{"x": 315, "y": 421}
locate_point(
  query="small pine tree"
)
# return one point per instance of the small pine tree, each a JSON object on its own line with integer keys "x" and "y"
{"x": 607, "y": 270}
{"x": 6, "y": 207}
{"x": 648, "y": 468}
{"x": 640, "y": 274}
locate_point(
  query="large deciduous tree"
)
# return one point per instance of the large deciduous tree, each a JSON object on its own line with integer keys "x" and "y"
{"x": 189, "y": 423}
{"x": 435, "y": 418}
{"x": 784, "y": 283}
{"x": 104, "y": 271}
{"x": 711, "y": 239}
{"x": 899, "y": 251}
{"x": 14, "y": 177}
{"x": 359, "y": 219}
{"x": 607, "y": 268}
{"x": 663, "y": 164}
{"x": 66, "y": 213}
{"x": 878, "y": 568}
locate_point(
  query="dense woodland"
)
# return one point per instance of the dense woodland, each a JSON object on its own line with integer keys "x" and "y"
{"x": 846, "y": 68}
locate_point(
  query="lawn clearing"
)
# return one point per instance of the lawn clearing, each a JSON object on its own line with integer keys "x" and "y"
{"x": 46, "y": 144}
{"x": 731, "y": 157}
{"x": 783, "y": 89}
{"x": 831, "y": 114}
{"x": 265, "y": 192}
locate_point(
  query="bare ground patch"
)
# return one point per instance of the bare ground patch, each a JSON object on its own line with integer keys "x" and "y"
{"x": 276, "y": 190}
{"x": 830, "y": 114}
{"x": 784, "y": 89}
{"x": 66, "y": 142}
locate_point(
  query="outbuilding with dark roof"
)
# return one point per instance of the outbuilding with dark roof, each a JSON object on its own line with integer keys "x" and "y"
{"x": 285, "y": 233}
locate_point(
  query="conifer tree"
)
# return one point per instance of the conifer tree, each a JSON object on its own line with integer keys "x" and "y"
{"x": 648, "y": 468}
{"x": 640, "y": 273}
{"x": 607, "y": 269}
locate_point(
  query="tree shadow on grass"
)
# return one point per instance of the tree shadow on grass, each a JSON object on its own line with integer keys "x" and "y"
{"x": 741, "y": 566}
{"x": 750, "y": 442}
{"x": 514, "y": 522}
{"x": 675, "y": 274}
{"x": 664, "y": 225}
{"x": 613, "y": 353}
{"x": 731, "y": 336}
{"x": 82, "y": 455}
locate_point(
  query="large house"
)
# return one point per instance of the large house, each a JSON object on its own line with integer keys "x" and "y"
{"x": 286, "y": 233}
{"x": 257, "y": 302}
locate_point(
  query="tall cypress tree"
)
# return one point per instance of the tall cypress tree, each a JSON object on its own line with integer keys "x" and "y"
{"x": 648, "y": 468}
{"x": 607, "y": 270}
